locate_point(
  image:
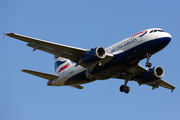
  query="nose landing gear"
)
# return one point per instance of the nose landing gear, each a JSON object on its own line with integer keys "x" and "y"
{"x": 148, "y": 64}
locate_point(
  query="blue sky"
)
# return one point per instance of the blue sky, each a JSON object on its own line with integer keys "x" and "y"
{"x": 84, "y": 24}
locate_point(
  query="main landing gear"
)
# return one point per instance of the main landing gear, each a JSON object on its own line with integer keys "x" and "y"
{"x": 86, "y": 75}
{"x": 125, "y": 88}
{"x": 148, "y": 64}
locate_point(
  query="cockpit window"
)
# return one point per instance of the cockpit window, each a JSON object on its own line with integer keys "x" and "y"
{"x": 151, "y": 31}
{"x": 160, "y": 30}
{"x": 156, "y": 31}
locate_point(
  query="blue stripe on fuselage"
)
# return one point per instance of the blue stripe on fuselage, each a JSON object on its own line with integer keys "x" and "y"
{"x": 143, "y": 34}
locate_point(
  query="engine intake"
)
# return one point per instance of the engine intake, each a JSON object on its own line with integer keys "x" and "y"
{"x": 151, "y": 75}
{"x": 100, "y": 52}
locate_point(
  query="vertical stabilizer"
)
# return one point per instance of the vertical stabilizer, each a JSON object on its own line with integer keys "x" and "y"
{"x": 61, "y": 64}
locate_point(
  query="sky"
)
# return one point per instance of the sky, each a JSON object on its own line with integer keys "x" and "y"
{"x": 85, "y": 24}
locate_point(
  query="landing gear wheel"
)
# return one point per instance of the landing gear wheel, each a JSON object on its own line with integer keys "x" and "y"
{"x": 124, "y": 88}
{"x": 148, "y": 64}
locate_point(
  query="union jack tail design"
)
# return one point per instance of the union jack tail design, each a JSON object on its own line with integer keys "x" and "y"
{"x": 61, "y": 64}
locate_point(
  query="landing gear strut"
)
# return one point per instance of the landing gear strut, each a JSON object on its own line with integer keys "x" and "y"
{"x": 86, "y": 75}
{"x": 148, "y": 64}
{"x": 125, "y": 88}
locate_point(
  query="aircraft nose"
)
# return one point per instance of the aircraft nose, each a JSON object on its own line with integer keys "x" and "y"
{"x": 165, "y": 39}
{"x": 168, "y": 38}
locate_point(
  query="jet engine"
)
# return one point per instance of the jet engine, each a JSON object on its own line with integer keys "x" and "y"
{"x": 93, "y": 55}
{"x": 151, "y": 75}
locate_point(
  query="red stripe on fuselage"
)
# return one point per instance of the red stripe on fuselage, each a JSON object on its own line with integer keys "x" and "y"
{"x": 66, "y": 66}
{"x": 138, "y": 33}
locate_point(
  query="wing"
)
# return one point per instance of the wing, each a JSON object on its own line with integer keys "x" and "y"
{"x": 59, "y": 50}
{"x": 138, "y": 70}
{"x": 68, "y": 52}
{"x": 162, "y": 83}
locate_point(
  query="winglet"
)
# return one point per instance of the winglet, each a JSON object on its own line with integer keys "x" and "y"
{"x": 4, "y": 35}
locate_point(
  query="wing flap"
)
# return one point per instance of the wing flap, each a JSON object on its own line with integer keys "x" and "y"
{"x": 165, "y": 84}
{"x": 54, "y": 52}
{"x": 40, "y": 74}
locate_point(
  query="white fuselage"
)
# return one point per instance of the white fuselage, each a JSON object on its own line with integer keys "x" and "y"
{"x": 122, "y": 46}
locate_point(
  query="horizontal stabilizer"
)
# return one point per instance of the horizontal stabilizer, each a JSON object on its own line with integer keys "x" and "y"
{"x": 77, "y": 86}
{"x": 40, "y": 74}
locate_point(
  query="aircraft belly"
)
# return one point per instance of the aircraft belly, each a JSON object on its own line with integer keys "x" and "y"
{"x": 109, "y": 73}
{"x": 78, "y": 79}
{"x": 111, "y": 69}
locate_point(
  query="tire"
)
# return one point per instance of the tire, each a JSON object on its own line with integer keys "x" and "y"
{"x": 122, "y": 88}
{"x": 126, "y": 89}
{"x": 148, "y": 64}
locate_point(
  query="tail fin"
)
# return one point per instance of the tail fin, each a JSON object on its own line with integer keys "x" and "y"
{"x": 61, "y": 64}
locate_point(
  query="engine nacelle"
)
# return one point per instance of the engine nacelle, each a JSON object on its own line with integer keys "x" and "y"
{"x": 93, "y": 55}
{"x": 151, "y": 75}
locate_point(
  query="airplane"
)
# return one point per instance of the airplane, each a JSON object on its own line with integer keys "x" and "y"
{"x": 119, "y": 61}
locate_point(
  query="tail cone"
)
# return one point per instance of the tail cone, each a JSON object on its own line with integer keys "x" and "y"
{"x": 49, "y": 83}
